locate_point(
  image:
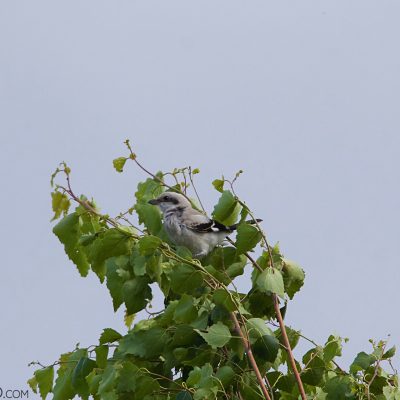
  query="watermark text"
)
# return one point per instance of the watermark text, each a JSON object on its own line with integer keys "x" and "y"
{"x": 14, "y": 393}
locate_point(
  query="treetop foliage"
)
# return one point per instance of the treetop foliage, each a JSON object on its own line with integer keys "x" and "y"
{"x": 210, "y": 341}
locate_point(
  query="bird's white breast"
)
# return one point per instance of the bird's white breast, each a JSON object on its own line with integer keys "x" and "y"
{"x": 199, "y": 244}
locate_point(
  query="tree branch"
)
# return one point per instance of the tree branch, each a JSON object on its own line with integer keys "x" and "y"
{"x": 249, "y": 353}
{"x": 288, "y": 347}
{"x": 281, "y": 324}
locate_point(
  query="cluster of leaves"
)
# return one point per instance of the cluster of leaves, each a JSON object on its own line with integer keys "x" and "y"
{"x": 191, "y": 350}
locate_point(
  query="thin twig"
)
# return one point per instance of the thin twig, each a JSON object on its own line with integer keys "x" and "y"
{"x": 194, "y": 188}
{"x": 185, "y": 180}
{"x": 155, "y": 177}
{"x": 88, "y": 207}
{"x": 316, "y": 345}
{"x": 270, "y": 388}
{"x": 378, "y": 361}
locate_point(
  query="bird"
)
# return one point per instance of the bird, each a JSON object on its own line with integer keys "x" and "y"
{"x": 188, "y": 227}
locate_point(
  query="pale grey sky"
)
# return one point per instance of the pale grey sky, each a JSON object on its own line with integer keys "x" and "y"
{"x": 303, "y": 96}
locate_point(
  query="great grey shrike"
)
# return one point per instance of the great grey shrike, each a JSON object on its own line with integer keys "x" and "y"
{"x": 188, "y": 227}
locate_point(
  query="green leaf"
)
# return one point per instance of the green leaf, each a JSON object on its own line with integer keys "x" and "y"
{"x": 362, "y": 362}
{"x": 338, "y": 388}
{"x": 247, "y": 237}
{"x": 109, "y": 335}
{"x": 205, "y": 393}
{"x": 119, "y": 163}
{"x": 218, "y": 275}
{"x": 227, "y": 209}
{"x": 185, "y": 311}
{"x": 32, "y": 382}
{"x": 150, "y": 216}
{"x": 136, "y": 294}
{"x": 128, "y": 320}
{"x": 391, "y": 393}
{"x": 93, "y": 380}
{"x": 108, "y": 381}
{"x": 184, "y": 335}
{"x": 185, "y": 279}
{"x": 292, "y": 335}
{"x": 201, "y": 377}
{"x": 285, "y": 383}
{"x": 260, "y": 305}
{"x": 101, "y": 355}
{"x": 110, "y": 243}
{"x": 237, "y": 268}
{"x": 293, "y": 277}
{"x": 217, "y": 335}
{"x": 389, "y": 353}
{"x": 114, "y": 283}
{"x": 333, "y": 348}
{"x": 110, "y": 395}
{"x": 224, "y": 299}
{"x": 221, "y": 314}
{"x": 145, "y": 386}
{"x": 148, "y": 190}
{"x": 63, "y": 389}
{"x": 315, "y": 370}
{"x": 149, "y": 244}
{"x": 201, "y": 322}
{"x": 218, "y": 185}
{"x": 249, "y": 388}
{"x": 67, "y": 231}
{"x": 183, "y": 396}
{"x": 257, "y": 328}
{"x": 138, "y": 262}
{"x": 60, "y": 204}
{"x": 44, "y": 378}
{"x": 155, "y": 269}
{"x": 226, "y": 375}
{"x": 205, "y": 355}
{"x": 271, "y": 281}
{"x": 319, "y": 394}
{"x": 82, "y": 369}
{"x": 128, "y": 377}
{"x": 144, "y": 343}
{"x": 266, "y": 348}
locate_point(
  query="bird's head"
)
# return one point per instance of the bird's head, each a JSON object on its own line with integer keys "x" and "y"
{"x": 169, "y": 200}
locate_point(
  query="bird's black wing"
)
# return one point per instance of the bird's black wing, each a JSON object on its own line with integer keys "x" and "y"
{"x": 210, "y": 226}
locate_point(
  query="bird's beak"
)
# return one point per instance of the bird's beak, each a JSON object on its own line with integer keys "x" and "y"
{"x": 154, "y": 202}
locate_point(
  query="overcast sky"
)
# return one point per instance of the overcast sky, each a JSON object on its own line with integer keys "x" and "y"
{"x": 302, "y": 95}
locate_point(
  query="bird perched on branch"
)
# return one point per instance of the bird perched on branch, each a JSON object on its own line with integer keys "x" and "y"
{"x": 188, "y": 227}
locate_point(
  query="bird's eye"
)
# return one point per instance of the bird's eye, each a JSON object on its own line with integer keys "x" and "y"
{"x": 166, "y": 198}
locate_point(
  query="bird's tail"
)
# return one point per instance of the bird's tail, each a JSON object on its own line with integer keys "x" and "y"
{"x": 250, "y": 221}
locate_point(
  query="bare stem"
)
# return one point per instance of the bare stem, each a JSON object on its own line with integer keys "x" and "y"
{"x": 155, "y": 177}
{"x": 249, "y": 353}
{"x": 194, "y": 188}
{"x": 277, "y": 309}
{"x": 288, "y": 347}
{"x": 282, "y": 326}
{"x": 377, "y": 365}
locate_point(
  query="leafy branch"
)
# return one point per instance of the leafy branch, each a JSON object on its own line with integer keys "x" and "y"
{"x": 210, "y": 341}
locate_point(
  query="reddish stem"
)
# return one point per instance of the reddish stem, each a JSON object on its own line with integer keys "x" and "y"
{"x": 288, "y": 347}
{"x": 249, "y": 353}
